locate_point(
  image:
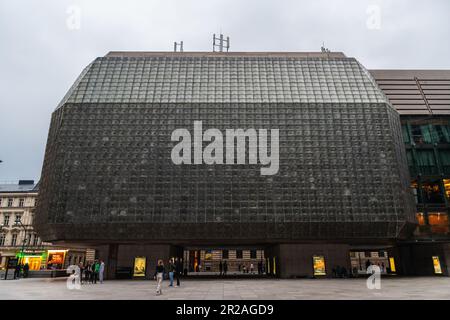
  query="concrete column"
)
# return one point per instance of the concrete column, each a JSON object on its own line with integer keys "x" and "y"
{"x": 296, "y": 260}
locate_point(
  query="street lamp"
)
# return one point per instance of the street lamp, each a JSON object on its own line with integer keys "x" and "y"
{"x": 19, "y": 222}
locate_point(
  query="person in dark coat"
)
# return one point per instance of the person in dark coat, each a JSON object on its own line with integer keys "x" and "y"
{"x": 220, "y": 267}
{"x": 17, "y": 271}
{"x": 178, "y": 270}
{"x": 225, "y": 268}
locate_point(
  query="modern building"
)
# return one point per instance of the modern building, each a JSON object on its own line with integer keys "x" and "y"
{"x": 422, "y": 98}
{"x": 18, "y": 239}
{"x": 299, "y": 156}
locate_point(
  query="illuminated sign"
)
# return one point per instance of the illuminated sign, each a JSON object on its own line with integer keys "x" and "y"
{"x": 139, "y": 266}
{"x": 437, "y": 265}
{"x": 319, "y": 265}
{"x": 392, "y": 264}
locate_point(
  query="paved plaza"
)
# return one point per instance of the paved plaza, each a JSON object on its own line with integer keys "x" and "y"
{"x": 234, "y": 289}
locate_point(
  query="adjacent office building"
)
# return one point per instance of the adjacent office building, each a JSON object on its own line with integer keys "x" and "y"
{"x": 299, "y": 157}
{"x": 18, "y": 239}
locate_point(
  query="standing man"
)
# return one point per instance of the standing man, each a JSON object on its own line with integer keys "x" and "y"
{"x": 220, "y": 267}
{"x": 101, "y": 270}
{"x": 26, "y": 267}
{"x": 225, "y": 268}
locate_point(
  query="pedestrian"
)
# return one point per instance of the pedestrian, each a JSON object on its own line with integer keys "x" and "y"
{"x": 80, "y": 265}
{"x": 17, "y": 271}
{"x": 159, "y": 276}
{"x": 225, "y": 268}
{"x": 368, "y": 264}
{"x": 101, "y": 270}
{"x": 171, "y": 272}
{"x": 178, "y": 269}
{"x": 382, "y": 267}
{"x": 220, "y": 268}
{"x": 87, "y": 273}
{"x": 239, "y": 267}
{"x": 96, "y": 270}
{"x": 259, "y": 267}
{"x": 26, "y": 267}
{"x": 251, "y": 268}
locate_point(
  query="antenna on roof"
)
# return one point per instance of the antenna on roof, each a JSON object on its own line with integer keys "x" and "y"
{"x": 323, "y": 49}
{"x": 220, "y": 43}
{"x": 175, "y": 46}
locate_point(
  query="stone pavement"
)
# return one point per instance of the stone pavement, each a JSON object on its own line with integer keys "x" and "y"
{"x": 235, "y": 289}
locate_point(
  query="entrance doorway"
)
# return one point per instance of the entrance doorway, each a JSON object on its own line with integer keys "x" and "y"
{"x": 217, "y": 261}
{"x": 361, "y": 260}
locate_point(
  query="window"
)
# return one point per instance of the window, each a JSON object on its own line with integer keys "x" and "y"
{"x": 224, "y": 254}
{"x": 431, "y": 192}
{"x": 421, "y": 134}
{"x": 10, "y": 202}
{"x": 21, "y": 202}
{"x": 445, "y": 160}
{"x": 29, "y": 239}
{"x": 426, "y": 161}
{"x": 438, "y": 222}
{"x": 14, "y": 239}
{"x": 252, "y": 254}
{"x": 238, "y": 254}
{"x": 442, "y": 133}
{"x": 18, "y": 218}
{"x": 6, "y": 220}
{"x": 2, "y": 239}
{"x": 405, "y": 133}
{"x": 446, "y": 183}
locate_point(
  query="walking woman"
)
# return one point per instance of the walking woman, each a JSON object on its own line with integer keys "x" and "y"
{"x": 159, "y": 276}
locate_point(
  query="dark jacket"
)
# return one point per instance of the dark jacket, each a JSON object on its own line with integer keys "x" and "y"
{"x": 159, "y": 269}
{"x": 179, "y": 267}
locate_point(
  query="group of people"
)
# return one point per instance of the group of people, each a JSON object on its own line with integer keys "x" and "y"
{"x": 251, "y": 268}
{"x": 174, "y": 269}
{"x": 92, "y": 272}
{"x": 223, "y": 268}
{"x": 21, "y": 270}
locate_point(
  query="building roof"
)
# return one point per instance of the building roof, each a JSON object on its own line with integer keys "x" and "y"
{"x": 23, "y": 186}
{"x": 416, "y": 92}
{"x": 208, "y": 77}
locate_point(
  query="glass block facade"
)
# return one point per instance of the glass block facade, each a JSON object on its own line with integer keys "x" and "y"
{"x": 108, "y": 174}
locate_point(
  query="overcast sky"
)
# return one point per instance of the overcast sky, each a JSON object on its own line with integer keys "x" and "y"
{"x": 44, "y": 45}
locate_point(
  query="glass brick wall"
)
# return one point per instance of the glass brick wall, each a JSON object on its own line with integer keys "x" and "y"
{"x": 342, "y": 173}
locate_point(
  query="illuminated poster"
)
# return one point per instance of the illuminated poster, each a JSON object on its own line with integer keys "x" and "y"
{"x": 319, "y": 265}
{"x": 392, "y": 264}
{"x": 208, "y": 255}
{"x": 139, "y": 266}
{"x": 437, "y": 265}
{"x": 56, "y": 258}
